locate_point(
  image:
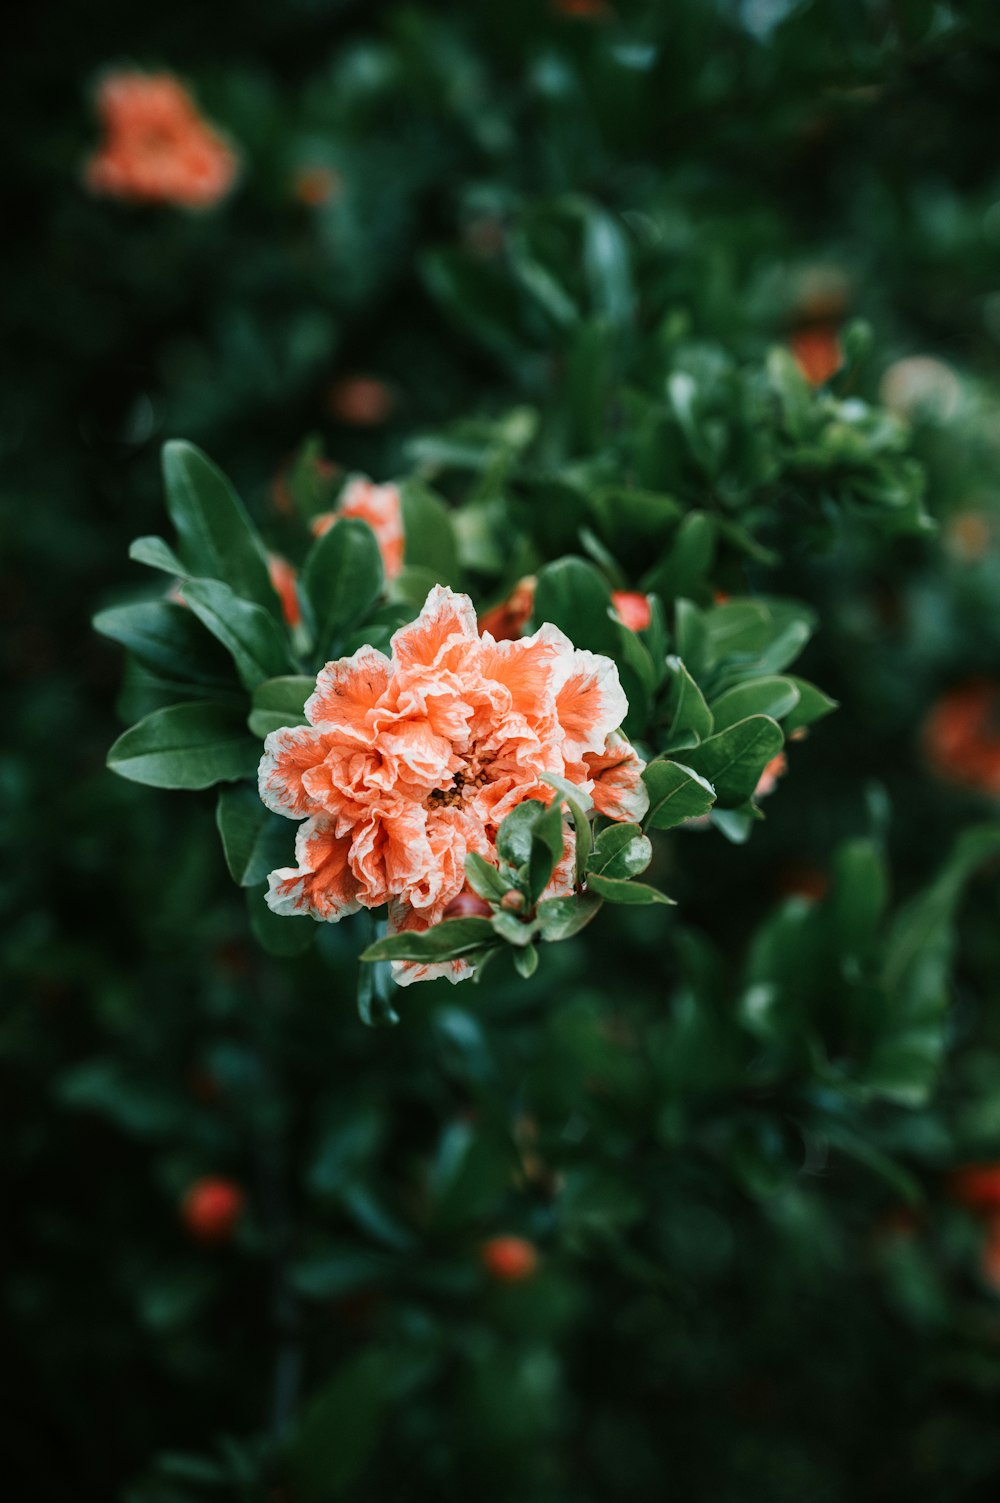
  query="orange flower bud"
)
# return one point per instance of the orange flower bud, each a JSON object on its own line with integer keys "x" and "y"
{"x": 976, "y": 1186}
{"x": 817, "y": 353}
{"x": 506, "y": 621}
{"x": 211, "y": 1208}
{"x": 284, "y": 578}
{"x": 511, "y": 1260}
{"x": 314, "y": 186}
{"x": 360, "y": 401}
{"x": 632, "y": 609}
{"x": 512, "y": 901}
{"x": 961, "y": 736}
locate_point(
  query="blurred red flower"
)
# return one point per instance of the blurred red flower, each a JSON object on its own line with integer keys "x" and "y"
{"x": 961, "y": 736}
{"x": 211, "y": 1209}
{"x": 509, "y": 1259}
{"x": 156, "y": 147}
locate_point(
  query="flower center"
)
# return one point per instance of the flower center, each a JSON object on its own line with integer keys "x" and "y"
{"x": 452, "y": 797}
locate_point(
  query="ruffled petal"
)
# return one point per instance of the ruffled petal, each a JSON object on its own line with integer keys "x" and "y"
{"x": 618, "y": 790}
{"x": 445, "y": 620}
{"x": 347, "y": 690}
{"x": 322, "y": 885}
{"x": 590, "y": 704}
{"x": 288, "y": 755}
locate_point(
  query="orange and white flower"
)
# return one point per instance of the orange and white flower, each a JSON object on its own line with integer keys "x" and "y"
{"x": 410, "y": 762}
{"x": 381, "y": 507}
{"x": 156, "y": 146}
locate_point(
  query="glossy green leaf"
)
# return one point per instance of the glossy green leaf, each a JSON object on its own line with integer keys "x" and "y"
{"x": 167, "y": 639}
{"x": 279, "y": 702}
{"x": 776, "y": 697}
{"x": 812, "y": 706}
{"x": 573, "y": 596}
{"x": 257, "y": 644}
{"x": 282, "y": 935}
{"x": 690, "y": 718}
{"x": 429, "y": 534}
{"x": 254, "y": 840}
{"x": 484, "y": 879}
{"x": 186, "y": 746}
{"x": 676, "y": 793}
{"x": 620, "y": 851}
{"x": 733, "y": 760}
{"x": 217, "y": 539}
{"x": 341, "y": 580}
{"x": 615, "y": 891}
{"x": 561, "y": 918}
{"x": 446, "y": 941}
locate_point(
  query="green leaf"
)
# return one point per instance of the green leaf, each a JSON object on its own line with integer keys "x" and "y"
{"x": 279, "y": 702}
{"x": 514, "y": 929}
{"x": 341, "y": 1427}
{"x": 688, "y": 561}
{"x": 526, "y": 960}
{"x": 257, "y": 645}
{"x": 621, "y": 851}
{"x": 916, "y": 966}
{"x": 429, "y": 535}
{"x": 579, "y": 804}
{"x": 254, "y": 840}
{"x": 282, "y": 935}
{"x": 166, "y": 638}
{"x": 484, "y": 879}
{"x": 858, "y": 897}
{"x": 573, "y": 596}
{"x": 691, "y": 719}
{"x": 445, "y": 941}
{"x": 548, "y": 845}
{"x": 561, "y": 918}
{"x": 156, "y": 554}
{"x": 775, "y": 697}
{"x": 615, "y": 891}
{"x": 515, "y": 833}
{"x": 217, "y": 538}
{"x": 812, "y": 706}
{"x": 342, "y": 578}
{"x": 676, "y": 793}
{"x": 733, "y": 760}
{"x": 186, "y": 746}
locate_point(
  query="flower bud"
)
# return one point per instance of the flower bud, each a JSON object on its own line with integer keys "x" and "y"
{"x": 509, "y": 1259}
{"x": 467, "y": 905}
{"x": 977, "y": 1186}
{"x": 512, "y": 901}
{"x": 360, "y": 401}
{"x": 632, "y": 609}
{"x": 211, "y": 1208}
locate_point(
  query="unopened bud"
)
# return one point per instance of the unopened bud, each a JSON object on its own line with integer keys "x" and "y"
{"x": 512, "y": 901}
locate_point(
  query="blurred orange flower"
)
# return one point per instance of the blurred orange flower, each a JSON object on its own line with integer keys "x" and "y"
{"x": 961, "y": 736}
{"x": 156, "y": 147}
{"x": 817, "y": 353}
{"x": 381, "y": 506}
{"x": 360, "y": 401}
{"x": 509, "y": 1259}
{"x": 284, "y": 578}
{"x": 506, "y": 621}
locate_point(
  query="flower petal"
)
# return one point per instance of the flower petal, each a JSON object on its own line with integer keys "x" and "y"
{"x": 618, "y": 791}
{"x": 590, "y": 704}
{"x": 323, "y": 884}
{"x": 347, "y": 690}
{"x": 445, "y": 617}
